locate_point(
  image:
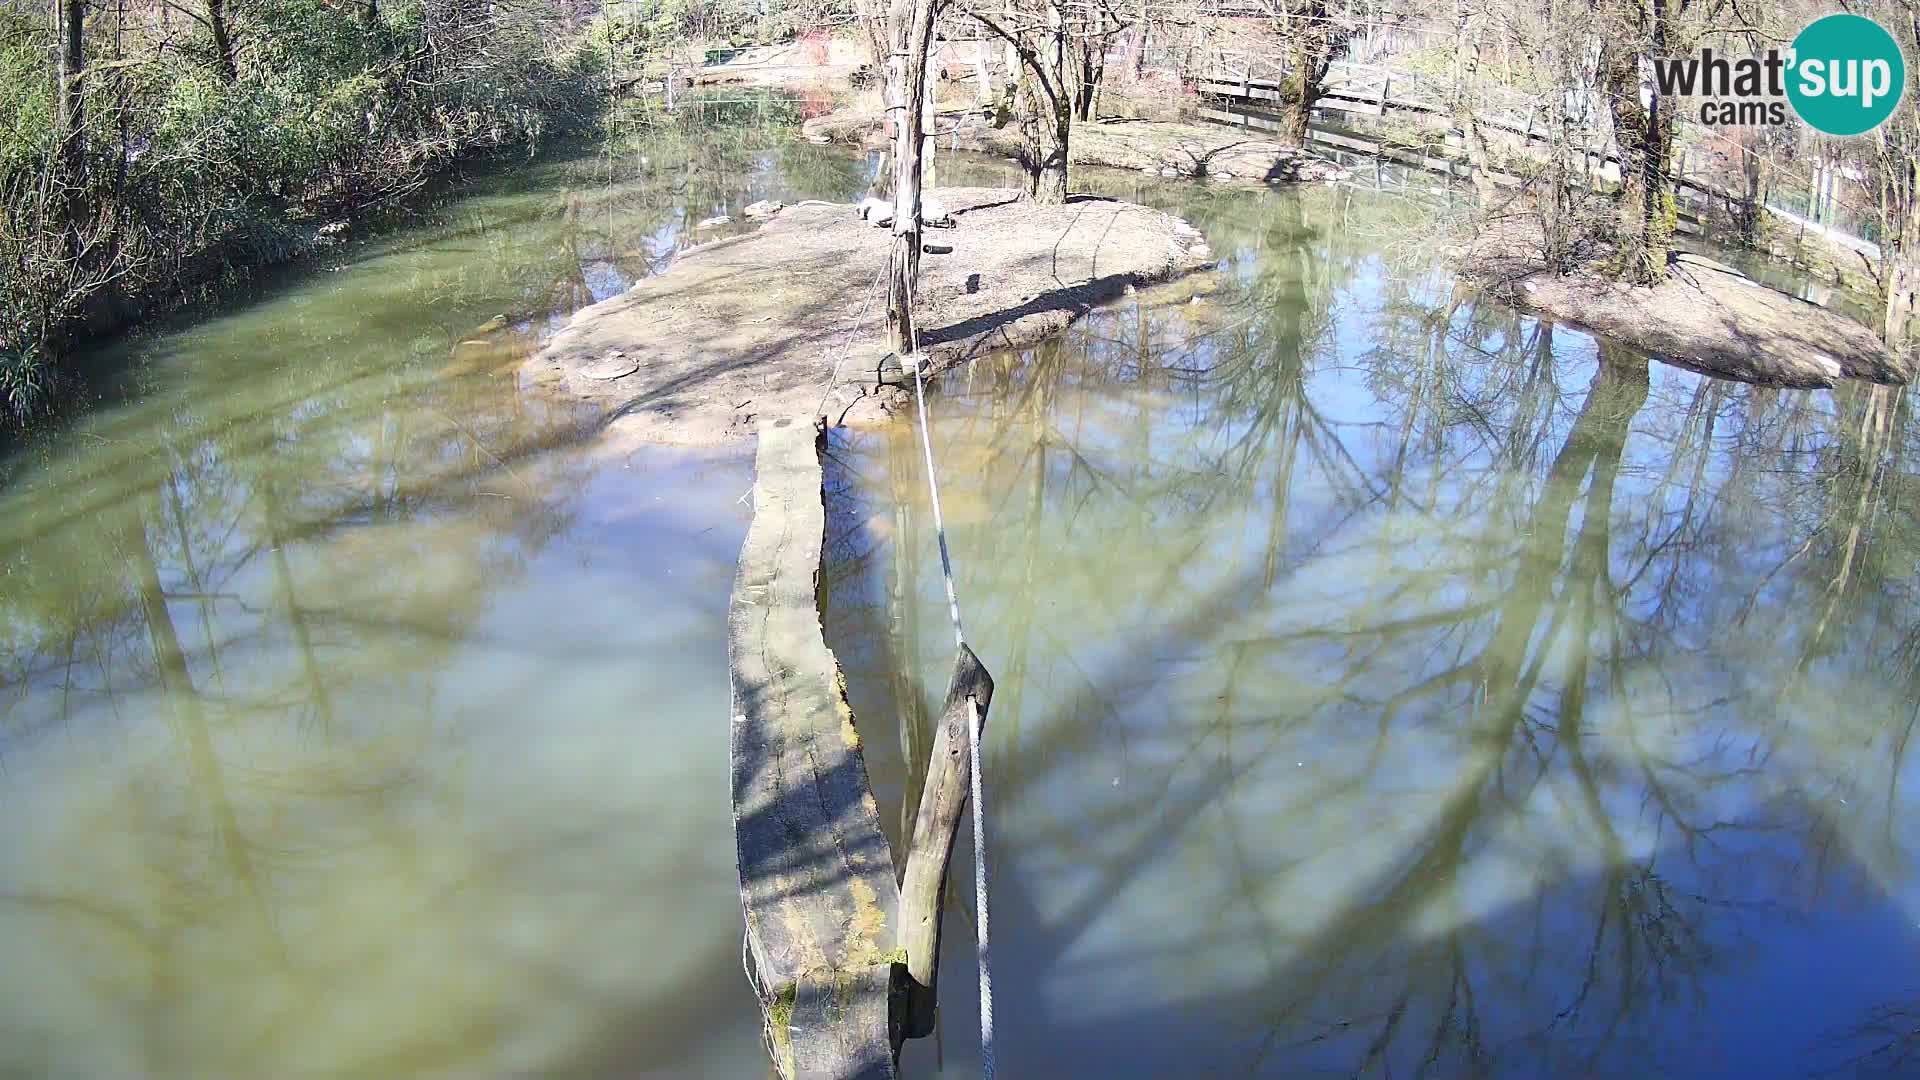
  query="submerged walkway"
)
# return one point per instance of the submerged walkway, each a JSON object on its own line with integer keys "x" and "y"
{"x": 760, "y": 334}
{"x": 816, "y": 872}
{"x": 751, "y": 327}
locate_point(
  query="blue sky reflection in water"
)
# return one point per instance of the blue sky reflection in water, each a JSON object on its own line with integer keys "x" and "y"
{"x": 1394, "y": 685}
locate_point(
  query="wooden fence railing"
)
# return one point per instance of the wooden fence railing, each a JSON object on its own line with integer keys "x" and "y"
{"x": 1374, "y": 90}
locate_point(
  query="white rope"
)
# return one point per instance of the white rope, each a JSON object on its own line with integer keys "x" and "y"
{"x": 846, "y": 344}
{"x": 973, "y": 711}
{"x": 933, "y": 491}
{"x": 980, "y": 898}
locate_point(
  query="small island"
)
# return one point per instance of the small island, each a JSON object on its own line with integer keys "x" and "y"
{"x": 788, "y": 320}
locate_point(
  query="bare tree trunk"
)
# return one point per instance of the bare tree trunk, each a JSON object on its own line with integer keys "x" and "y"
{"x": 1472, "y": 27}
{"x": 1055, "y": 127}
{"x": 1044, "y": 98}
{"x": 122, "y": 101}
{"x": 943, "y": 797}
{"x": 1903, "y": 279}
{"x": 1296, "y": 118}
{"x": 223, "y": 40}
{"x": 1899, "y": 175}
{"x": 1141, "y": 31}
{"x": 1051, "y": 187}
{"x": 1644, "y": 135}
{"x": 911, "y": 31}
{"x": 1315, "y": 38}
{"x": 1046, "y": 125}
{"x": 1556, "y": 202}
{"x": 875, "y": 30}
{"x": 1086, "y": 91}
{"x": 983, "y": 73}
{"x": 1751, "y": 207}
{"x": 70, "y": 104}
{"x": 1090, "y": 67}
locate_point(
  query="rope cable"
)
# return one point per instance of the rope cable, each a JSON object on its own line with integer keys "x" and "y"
{"x": 973, "y": 707}
{"x": 846, "y": 343}
{"x": 980, "y": 896}
{"x": 933, "y": 490}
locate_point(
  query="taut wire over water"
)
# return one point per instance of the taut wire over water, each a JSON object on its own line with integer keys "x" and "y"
{"x": 973, "y": 714}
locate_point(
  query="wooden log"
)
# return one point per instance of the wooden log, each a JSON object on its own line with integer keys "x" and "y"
{"x": 816, "y": 873}
{"x": 942, "y": 798}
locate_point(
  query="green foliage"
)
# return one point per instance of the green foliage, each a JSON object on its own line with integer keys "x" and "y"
{"x": 26, "y": 92}
{"x": 190, "y": 176}
{"x": 634, "y": 31}
{"x": 639, "y": 30}
{"x": 21, "y": 372}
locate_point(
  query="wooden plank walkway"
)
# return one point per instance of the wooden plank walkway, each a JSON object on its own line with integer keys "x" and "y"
{"x": 1372, "y": 90}
{"x": 1353, "y": 151}
{"x": 816, "y": 873}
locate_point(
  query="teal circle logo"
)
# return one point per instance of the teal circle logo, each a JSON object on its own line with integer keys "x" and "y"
{"x": 1847, "y": 75}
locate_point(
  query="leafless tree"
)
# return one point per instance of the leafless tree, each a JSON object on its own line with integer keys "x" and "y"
{"x": 1038, "y": 32}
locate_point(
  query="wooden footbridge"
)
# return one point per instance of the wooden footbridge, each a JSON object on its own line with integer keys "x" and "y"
{"x": 844, "y": 960}
{"x": 1374, "y": 90}
{"x": 1244, "y": 89}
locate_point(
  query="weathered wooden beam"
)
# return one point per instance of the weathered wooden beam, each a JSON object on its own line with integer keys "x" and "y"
{"x": 942, "y": 798}
{"x": 816, "y": 873}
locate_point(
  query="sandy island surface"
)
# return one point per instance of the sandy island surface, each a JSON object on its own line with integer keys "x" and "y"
{"x": 1706, "y": 316}
{"x": 788, "y": 321}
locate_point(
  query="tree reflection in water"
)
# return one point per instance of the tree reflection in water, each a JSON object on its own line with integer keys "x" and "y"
{"x": 1393, "y": 684}
{"x": 335, "y": 676}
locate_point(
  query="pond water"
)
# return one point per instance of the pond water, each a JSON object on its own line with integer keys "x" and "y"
{"x": 355, "y": 717}
{"x": 1388, "y": 684}
{"x": 1394, "y": 685}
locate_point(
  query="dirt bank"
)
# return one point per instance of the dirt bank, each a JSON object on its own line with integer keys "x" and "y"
{"x": 1192, "y": 151}
{"x": 1706, "y": 316}
{"x": 753, "y": 326}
